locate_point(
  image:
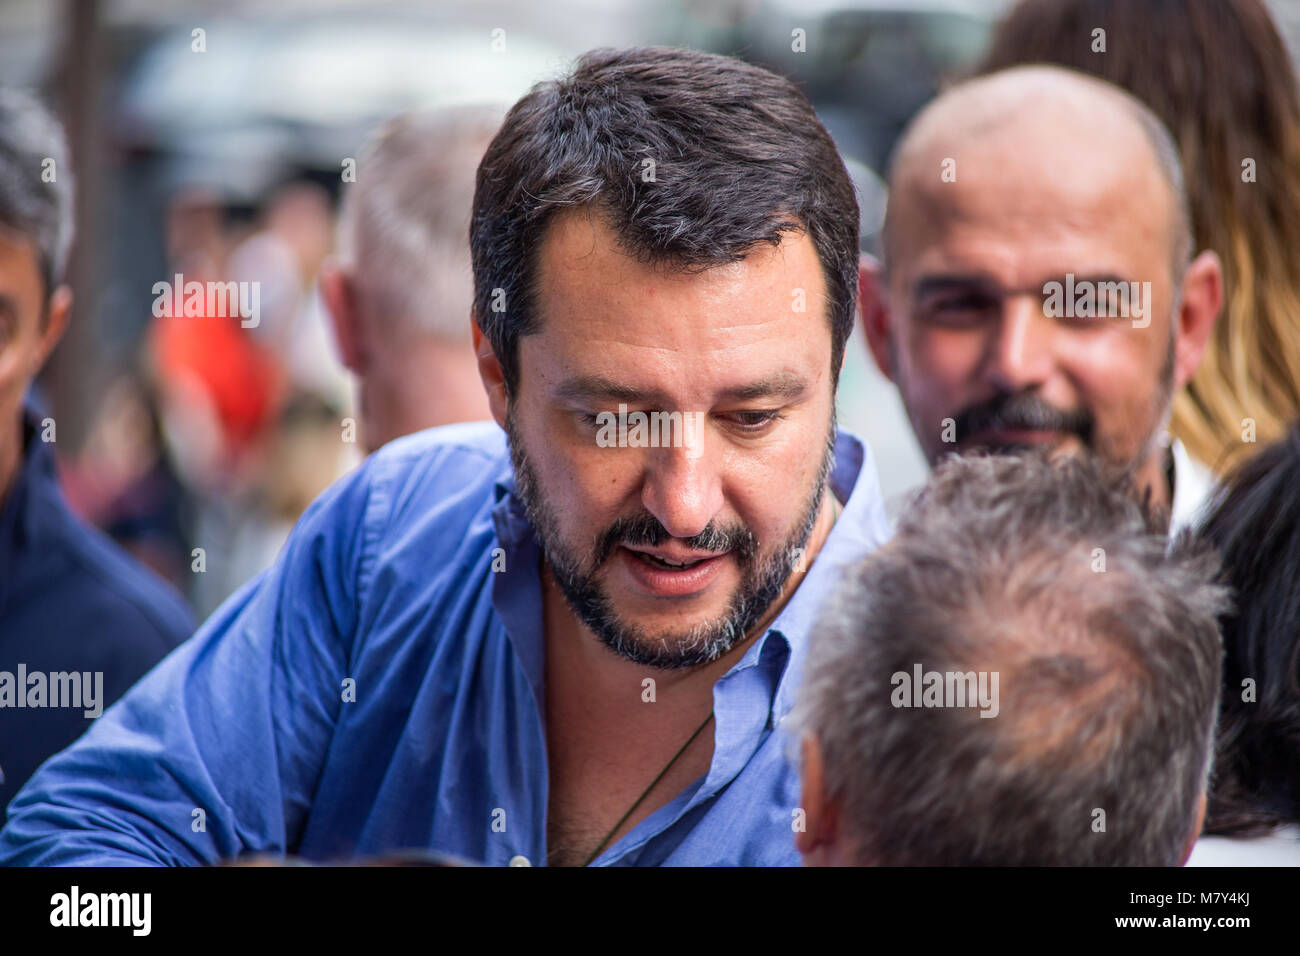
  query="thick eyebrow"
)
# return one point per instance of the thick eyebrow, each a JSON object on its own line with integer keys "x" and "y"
{"x": 937, "y": 285}
{"x": 780, "y": 385}
{"x": 596, "y": 387}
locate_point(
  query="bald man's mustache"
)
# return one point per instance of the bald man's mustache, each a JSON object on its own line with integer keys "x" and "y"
{"x": 1021, "y": 411}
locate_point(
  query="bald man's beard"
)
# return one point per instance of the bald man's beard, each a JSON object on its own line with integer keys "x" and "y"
{"x": 763, "y": 576}
{"x": 1026, "y": 410}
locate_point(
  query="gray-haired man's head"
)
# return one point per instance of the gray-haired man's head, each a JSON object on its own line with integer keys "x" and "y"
{"x": 36, "y": 186}
{"x": 402, "y": 290}
{"x": 35, "y": 235}
{"x": 1025, "y": 675}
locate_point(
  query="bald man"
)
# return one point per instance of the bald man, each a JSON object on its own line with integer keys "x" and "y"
{"x": 1038, "y": 287}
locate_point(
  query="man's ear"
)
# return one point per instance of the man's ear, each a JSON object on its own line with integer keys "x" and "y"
{"x": 873, "y": 310}
{"x": 489, "y": 369}
{"x": 57, "y": 310}
{"x": 1196, "y": 830}
{"x": 1202, "y": 299}
{"x": 339, "y": 291}
{"x": 818, "y": 833}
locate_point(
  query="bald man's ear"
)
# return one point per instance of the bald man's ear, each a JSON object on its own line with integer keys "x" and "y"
{"x": 1202, "y": 299}
{"x": 817, "y": 838}
{"x": 873, "y": 310}
{"x": 339, "y": 292}
{"x": 489, "y": 369}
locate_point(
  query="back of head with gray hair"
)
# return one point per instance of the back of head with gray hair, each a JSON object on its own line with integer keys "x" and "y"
{"x": 36, "y": 186}
{"x": 404, "y": 226}
{"x": 1106, "y": 645}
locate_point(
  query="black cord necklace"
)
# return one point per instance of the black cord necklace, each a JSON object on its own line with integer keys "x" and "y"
{"x": 646, "y": 793}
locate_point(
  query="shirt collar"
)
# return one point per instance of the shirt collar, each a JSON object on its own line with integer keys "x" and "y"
{"x": 1193, "y": 485}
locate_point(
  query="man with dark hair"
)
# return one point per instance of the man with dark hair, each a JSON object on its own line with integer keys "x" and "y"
{"x": 80, "y": 621}
{"x": 572, "y": 645}
{"x": 1025, "y": 675}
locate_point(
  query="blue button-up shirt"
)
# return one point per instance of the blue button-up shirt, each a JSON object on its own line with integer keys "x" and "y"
{"x": 72, "y": 605}
{"x": 380, "y": 688}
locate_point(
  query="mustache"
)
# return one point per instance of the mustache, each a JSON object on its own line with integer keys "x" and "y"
{"x": 645, "y": 529}
{"x": 1022, "y": 411}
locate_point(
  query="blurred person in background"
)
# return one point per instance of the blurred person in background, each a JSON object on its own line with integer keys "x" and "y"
{"x": 1254, "y": 811}
{"x": 75, "y": 611}
{"x": 253, "y": 407}
{"x": 401, "y": 291}
{"x": 124, "y": 481}
{"x": 1013, "y": 197}
{"x": 221, "y": 389}
{"x": 1100, "y": 689}
{"x": 1224, "y": 85}
{"x": 284, "y": 256}
{"x": 220, "y": 386}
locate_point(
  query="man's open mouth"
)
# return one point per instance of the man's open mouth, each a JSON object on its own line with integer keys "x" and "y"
{"x": 655, "y": 561}
{"x": 672, "y": 560}
{"x": 673, "y": 572}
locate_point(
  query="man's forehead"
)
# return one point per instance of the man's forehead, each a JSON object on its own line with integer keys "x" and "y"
{"x": 1008, "y": 260}
{"x": 590, "y": 288}
{"x": 1063, "y": 157}
{"x": 1010, "y": 223}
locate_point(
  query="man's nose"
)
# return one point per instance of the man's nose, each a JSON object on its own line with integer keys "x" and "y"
{"x": 1021, "y": 353}
{"x": 683, "y": 489}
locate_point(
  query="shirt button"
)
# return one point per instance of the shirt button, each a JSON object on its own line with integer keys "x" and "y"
{"x": 519, "y": 861}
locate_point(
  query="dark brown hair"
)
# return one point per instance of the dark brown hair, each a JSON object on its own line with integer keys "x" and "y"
{"x": 739, "y": 158}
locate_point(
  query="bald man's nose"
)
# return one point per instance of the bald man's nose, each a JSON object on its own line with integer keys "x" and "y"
{"x": 1021, "y": 353}
{"x": 683, "y": 489}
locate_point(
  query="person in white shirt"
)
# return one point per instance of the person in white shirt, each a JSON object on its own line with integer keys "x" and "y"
{"x": 1039, "y": 286}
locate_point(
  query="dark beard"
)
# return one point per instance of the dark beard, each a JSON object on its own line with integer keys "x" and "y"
{"x": 762, "y": 579}
{"x": 1026, "y": 410}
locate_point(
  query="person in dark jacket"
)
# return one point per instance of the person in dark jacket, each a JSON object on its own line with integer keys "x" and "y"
{"x": 80, "y": 621}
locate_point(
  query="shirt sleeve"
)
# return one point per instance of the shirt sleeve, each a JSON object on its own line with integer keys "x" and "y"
{"x": 217, "y": 751}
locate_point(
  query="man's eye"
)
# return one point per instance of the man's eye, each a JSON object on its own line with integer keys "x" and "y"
{"x": 592, "y": 420}
{"x": 957, "y": 309}
{"x": 756, "y": 421}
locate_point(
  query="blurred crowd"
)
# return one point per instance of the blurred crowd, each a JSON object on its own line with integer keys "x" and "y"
{"x": 223, "y": 431}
